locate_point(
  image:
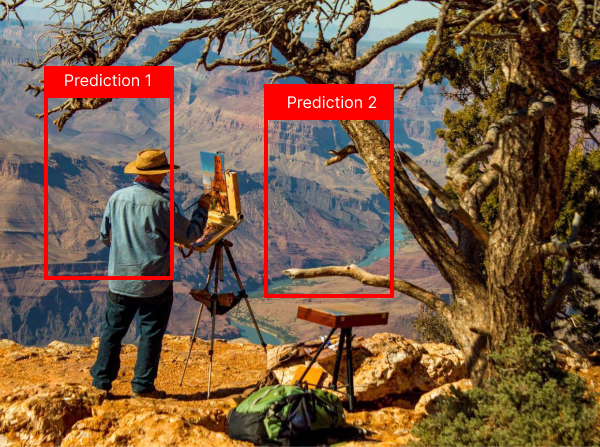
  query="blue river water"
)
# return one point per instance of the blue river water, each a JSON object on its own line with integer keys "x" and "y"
{"x": 249, "y": 333}
{"x": 280, "y": 285}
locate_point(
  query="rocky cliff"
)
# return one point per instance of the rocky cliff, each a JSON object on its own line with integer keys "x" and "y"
{"x": 39, "y": 407}
{"x": 46, "y": 398}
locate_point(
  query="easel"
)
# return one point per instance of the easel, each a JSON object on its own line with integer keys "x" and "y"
{"x": 216, "y": 268}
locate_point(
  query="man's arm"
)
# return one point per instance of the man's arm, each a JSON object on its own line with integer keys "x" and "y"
{"x": 106, "y": 226}
{"x": 189, "y": 231}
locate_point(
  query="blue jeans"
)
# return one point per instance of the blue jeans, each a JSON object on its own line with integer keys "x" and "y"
{"x": 153, "y": 318}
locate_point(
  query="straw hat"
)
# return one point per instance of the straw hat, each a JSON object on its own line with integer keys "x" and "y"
{"x": 150, "y": 162}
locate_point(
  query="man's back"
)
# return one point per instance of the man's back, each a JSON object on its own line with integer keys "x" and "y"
{"x": 136, "y": 225}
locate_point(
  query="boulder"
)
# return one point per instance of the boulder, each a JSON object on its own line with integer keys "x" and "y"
{"x": 385, "y": 364}
{"x": 43, "y": 414}
{"x": 388, "y": 367}
{"x": 429, "y": 401}
{"x": 444, "y": 364}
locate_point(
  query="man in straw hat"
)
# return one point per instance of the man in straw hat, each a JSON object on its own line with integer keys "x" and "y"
{"x": 136, "y": 227}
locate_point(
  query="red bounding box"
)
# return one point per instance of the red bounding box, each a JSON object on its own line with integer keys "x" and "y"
{"x": 328, "y": 102}
{"x": 107, "y": 82}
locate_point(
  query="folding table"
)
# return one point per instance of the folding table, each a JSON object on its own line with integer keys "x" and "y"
{"x": 342, "y": 316}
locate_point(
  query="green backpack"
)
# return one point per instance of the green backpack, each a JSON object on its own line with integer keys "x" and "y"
{"x": 287, "y": 415}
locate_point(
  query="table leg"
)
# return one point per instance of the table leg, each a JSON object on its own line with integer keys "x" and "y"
{"x": 338, "y": 360}
{"x": 313, "y": 360}
{"x": 350, "y": 368}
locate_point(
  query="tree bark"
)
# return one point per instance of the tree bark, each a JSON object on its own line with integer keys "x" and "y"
{"x": 531, "y": 158}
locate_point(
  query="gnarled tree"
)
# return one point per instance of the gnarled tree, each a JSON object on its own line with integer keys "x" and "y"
{"x": 496, "y": 273}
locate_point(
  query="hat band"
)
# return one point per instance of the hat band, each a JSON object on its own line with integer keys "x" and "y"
{"x": 154, "y": 168}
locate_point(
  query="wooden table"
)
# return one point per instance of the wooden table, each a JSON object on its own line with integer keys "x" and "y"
{"x": 342, "y": 316}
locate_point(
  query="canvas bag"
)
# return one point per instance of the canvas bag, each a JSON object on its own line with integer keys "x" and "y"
{"x": 287, "y": 415}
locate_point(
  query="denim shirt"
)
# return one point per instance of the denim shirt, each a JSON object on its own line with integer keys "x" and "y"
{"x": 136, "y": 227}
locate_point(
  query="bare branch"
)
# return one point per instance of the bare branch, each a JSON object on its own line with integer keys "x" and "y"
{"x": 393, "y": 5}
{"x": 558, "y": 248}
{"x": 559, "y": 294}
{"x": 366, "y": 278}
{"x": 341, "y": 154}
{"x": 451, "y": 205}
{"x": 410, "y": 31}
{"x": 70, "y": 106}
{"x": 482, "y": 17}
{"x": 439, "y": 38}
{"x": 537, "y": 109}
{"x": 437, "y": 210}
{"x": 83, "y": 43}
{"x": 10, "y": 7}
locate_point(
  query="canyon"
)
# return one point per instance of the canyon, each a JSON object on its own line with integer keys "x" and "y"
{"x": 318, "y": 215}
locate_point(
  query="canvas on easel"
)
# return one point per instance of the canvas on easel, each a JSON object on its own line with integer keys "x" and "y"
{"x": 225, "y": 211}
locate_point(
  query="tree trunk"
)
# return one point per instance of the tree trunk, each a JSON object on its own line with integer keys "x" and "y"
{"x": 531, "y": 160}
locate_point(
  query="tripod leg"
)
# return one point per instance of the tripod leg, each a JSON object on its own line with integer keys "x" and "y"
{"x": 212, "y": 343}
{"x": 233, "y": 266}
{"x": 191, "y": 344}
{"x": 350, "y": 368}
{"x": 221, "y": 265}
{"x": 338, "y": 360}
{"x": 211, "y": 269}
{"x": 243, "y": 292}
{"x": 262, "y": 342}
{"x": 219, "y": 257}
{"x": 213, "y": 302}
{"x": 314, "y": 359}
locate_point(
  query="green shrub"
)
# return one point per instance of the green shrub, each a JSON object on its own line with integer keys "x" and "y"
{"x": 529, "y": 400}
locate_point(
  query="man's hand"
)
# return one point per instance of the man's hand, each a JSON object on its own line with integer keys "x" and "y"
{"x": 204, "y": 201}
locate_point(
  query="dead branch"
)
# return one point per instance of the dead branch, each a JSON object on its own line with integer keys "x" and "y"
{"x": 559, "y": 294}
{"x": 393, "y": 5}
{"x": 366, "y": 278}
{"x": 558, "y": 248}
{"x": 439, "y": 212}
{"x": 410, "y": 31}
{"x": 452, "y": 206}
{"x": 8, "y": 7}
{"x": 422, "y": 73}
{"x": 341, "y": 154}
{"x": 70, "y": 106}
{"x": 537, "y": 110}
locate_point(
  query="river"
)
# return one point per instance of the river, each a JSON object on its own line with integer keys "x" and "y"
{"x": 282, "y": 284}
{"x": 249, "y": 333}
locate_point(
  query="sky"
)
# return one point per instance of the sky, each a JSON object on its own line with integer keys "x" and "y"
{"x": 395, "y": 19}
